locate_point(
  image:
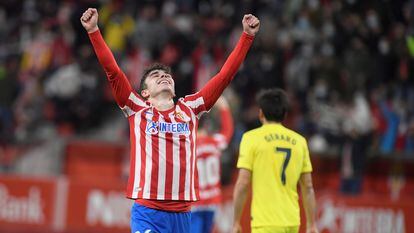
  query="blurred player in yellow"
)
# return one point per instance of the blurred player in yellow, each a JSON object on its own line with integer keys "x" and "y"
{"x": 275, "y": 160}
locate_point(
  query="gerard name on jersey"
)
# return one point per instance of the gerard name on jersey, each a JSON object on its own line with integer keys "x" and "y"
{"x": 274, "y": 136}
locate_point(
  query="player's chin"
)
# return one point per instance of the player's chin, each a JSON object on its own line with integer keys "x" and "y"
{"x": 166, "y": 86}
{"x": 168, "y": 89}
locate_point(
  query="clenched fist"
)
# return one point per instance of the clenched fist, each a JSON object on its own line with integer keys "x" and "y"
{"x": 251, "y": 24}
{"x": 89, "y": 20}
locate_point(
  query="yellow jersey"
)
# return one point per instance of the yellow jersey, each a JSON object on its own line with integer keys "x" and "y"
{"x": 276, "y": 156}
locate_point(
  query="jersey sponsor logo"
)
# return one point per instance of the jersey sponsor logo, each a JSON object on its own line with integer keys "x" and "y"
{"x": 154, "y": 127}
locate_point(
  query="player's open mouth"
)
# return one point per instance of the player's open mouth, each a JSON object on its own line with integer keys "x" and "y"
{"x": 163, "y": 81}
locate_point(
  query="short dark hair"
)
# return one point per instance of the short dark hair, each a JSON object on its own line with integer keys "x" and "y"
{"x": 148, "y": 70}
{"x": 274, "y": 104}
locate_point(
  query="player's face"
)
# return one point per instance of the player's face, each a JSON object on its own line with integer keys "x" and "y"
{"x": 159, "y": 81}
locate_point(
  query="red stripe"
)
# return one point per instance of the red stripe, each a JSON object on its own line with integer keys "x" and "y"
{"x": 169, "y": 163}
{"x": 192, "y": 96}
{"x": 183, "y": 167}
{"x": 196, "y": 185}
{"x": 131, "y": 177}
{"x": 200, "y": 109}
{"x": 155, "y": 160}
{"x": 133, "y": 106}
{"x": 142, "y": 126}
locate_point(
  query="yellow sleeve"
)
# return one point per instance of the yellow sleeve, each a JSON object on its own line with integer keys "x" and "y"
{"x": 246, "y": 153}
{"x": 307, "y": 165}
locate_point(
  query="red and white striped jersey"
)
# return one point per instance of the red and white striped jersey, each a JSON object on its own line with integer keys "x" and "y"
{"x": 163, "y": 149}
{"x": 163, "y": 161}
{"x": 209, "y": 151}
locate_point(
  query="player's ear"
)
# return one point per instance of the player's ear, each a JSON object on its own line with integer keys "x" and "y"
{"x": 145, "y": 93}
{"x": 261, "y": 116}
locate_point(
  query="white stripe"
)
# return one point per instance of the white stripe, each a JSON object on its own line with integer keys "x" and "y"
{"x": 194, "y": 198}
{"x": 127, "y": 111}
{"x": 162, "y": 145}
{"x": 221, "y": 140}
{"x": 195, "y": 103}
{"x": 138, "y": 101}
{"x": 188, "y": 171}
{"x": 219, "y": 137}
{"x": 207, "y": 148}
{"x": 176, "y": 163}
{"x": 148, "y": 162}
{"x": 137, "y": 173}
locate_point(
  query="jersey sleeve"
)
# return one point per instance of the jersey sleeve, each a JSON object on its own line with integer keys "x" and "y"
{"x": 208, "y": 95}
{"x": 246, "y": 153}
{"x": 223, "y": 137}
{"x": 307, "y": 165}
{"x": 126, "y": 98}
{"x": 196, "y": 103}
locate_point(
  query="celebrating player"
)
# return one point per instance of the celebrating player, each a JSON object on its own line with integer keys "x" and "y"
{"x": 274, "y": 159}
{"x": 209, "y": 151}
{"x": 162, "y": 176}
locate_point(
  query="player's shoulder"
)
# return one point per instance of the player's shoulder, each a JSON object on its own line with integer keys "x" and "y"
{"x": 253, "y": 132}
{"x": 301, "y": 139}
{"x": 191, "y": 97}
{"x": 254, "y": 136}
{"x": 193, "y": 100}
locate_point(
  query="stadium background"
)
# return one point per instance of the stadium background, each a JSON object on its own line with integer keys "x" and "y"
{"x": 346, "y": 65}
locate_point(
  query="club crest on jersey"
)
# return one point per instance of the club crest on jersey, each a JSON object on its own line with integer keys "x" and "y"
{"x": 154, "y": 127}
{"x": 179, "y": 115}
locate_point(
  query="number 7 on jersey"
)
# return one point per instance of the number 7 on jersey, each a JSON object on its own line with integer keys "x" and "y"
{"x": 287, "y": 152}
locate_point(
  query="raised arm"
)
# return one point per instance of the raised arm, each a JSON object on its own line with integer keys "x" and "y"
{"x": 215, "y": 87}
{"x": 119, "y": 83}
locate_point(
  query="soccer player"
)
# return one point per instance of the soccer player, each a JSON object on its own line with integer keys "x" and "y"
{"x": 274, "y": 159}
{"x": 162, "y": 179}
{"x": 209, "y": 151}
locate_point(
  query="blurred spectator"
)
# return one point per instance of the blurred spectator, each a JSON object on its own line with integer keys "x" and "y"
{"x": 357, "y": 127}
{"x": 8, "y": 91}
{"x": 324, "y": 53}
{"x": 118, "y": 24}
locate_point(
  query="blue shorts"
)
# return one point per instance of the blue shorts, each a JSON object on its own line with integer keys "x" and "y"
{"x": 147, "y": 220}
{"x": 202, "y": 221}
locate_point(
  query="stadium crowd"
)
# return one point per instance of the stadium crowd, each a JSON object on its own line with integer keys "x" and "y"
{"x": 344, "y": 64}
